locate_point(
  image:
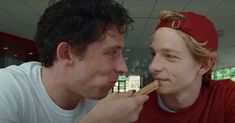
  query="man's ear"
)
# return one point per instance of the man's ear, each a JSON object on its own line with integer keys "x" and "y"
{"x": 206, "y": 65}
{"x": 64, "y": 53}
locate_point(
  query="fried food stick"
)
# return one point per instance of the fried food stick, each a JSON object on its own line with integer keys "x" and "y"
{"x": 147, "y": 89}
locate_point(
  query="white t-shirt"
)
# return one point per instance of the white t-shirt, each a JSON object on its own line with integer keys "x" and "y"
{"x": 23, "y": 98}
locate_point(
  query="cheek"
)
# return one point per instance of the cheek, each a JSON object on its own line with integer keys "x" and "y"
{"x": 188, "y": 73}
{"x": 95, "y": 70}
{"x": 183, "y": 70}
{"x": 82, "y": 74}
{"x": 94, "y": 75}
{"x": 106, "y": 67}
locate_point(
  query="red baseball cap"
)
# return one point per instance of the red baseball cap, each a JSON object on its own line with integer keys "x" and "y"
{"x": 197, "y": 26}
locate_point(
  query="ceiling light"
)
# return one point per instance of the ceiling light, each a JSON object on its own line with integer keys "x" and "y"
{"x": 127, "y": 50}
{"x": 30, "y": 53}
{"x": 5, "y": 48}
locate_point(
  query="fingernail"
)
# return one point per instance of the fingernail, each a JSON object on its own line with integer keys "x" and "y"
{"x": 146, "y": 97}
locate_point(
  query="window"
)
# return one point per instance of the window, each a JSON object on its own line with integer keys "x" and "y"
{"x": 225, "y": 73}
{"x": 126, "y": 83}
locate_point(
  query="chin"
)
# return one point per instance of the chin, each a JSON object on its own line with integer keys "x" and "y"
{"x": 162, "y": 91}
{"x": 99, "y": 96}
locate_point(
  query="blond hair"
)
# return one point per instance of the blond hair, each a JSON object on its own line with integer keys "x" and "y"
{"x": 196, "y": 48}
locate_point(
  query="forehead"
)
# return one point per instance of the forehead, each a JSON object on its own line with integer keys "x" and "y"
{"x": 168, "y": 38}
{"x": 112, "y": 39}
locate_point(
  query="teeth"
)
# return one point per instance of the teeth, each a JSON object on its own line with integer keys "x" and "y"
{"x": 147, "y": 89}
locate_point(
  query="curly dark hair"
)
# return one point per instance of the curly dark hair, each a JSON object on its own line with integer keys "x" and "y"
{"x": 78, "y": 22}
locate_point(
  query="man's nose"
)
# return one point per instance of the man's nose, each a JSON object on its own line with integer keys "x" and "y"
{"x": 156, "y": 65}
{"x": 122, "y": 66}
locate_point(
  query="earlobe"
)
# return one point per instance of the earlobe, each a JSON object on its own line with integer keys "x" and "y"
{"x": 206, "y": 65}
{"x": 63, "y": 53}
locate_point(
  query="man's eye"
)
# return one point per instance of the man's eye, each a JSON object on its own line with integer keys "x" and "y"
{"x": 170, "y": 56}
{"x": 114, "y": 53}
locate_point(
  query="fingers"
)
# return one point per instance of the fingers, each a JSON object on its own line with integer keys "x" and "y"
{"x": 120, "y": 95}
{"x": 147, "y": 89}
{"x": 126, "y": 94}
{"x": 136, "y": 106}
{"x": 123, "y": 94}
{"x": 140, "y": 99}
{"x": 124, "y": 107}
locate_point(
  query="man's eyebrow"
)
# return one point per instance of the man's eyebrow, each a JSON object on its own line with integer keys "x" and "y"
{"x": 113, "y": 47}
{"x": 166, "y": 50}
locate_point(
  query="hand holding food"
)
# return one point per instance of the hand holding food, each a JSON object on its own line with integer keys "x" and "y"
{"x": 147, "y": 89}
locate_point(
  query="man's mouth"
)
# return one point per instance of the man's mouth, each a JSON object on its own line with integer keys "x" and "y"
{"x": 112, "y": 83}
{"x": 161, "y": 79}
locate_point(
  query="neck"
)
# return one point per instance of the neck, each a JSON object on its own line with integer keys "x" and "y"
{"x": 181, "y": 100}
{"x": 57, "y": 88}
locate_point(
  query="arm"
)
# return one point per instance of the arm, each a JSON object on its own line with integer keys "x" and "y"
{"x": 116, "y": 108}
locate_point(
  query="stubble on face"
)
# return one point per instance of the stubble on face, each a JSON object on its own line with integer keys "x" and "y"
{"x": 96, "y": 72}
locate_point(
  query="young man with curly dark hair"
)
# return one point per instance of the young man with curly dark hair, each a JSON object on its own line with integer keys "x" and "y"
{"x": 80, "y": 44}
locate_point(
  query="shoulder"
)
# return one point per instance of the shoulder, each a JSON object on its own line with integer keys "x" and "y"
{"x": 14, "y": 80}
{"x": 223, "y": 84}
{"x": 17, "y": 73}
{"x": 21, "y": 69}
{"x": 225, "y": 88}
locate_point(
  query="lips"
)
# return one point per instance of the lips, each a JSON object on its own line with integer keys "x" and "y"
{"x": 161, "y": 79}
{"x": 112, "y": 83}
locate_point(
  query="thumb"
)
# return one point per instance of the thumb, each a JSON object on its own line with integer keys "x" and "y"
{"x": 141, "y": 99}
